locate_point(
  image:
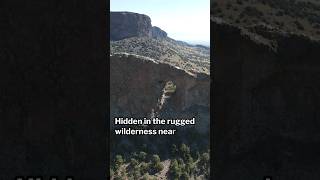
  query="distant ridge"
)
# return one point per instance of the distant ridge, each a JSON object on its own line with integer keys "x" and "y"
{"x": 133, "y": 33}
{"x": 125, "y": 24}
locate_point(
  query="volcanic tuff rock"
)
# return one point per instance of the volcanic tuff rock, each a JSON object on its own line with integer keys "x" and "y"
{"x": 266, "y": 104}
{"x": 138, "y": 93}
{"x": 128, "y": 24}
{"x": 137, "y": 85}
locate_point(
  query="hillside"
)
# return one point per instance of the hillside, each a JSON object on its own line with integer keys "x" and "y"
{"x": 166, "y": 50}
{"x": 133, "y": 33}
{"x": 295, "y": 16}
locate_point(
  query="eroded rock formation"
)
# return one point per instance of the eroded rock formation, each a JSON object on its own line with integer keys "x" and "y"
{"x": 137, "y": 85}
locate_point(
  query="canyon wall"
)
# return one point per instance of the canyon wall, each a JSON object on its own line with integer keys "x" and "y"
{"x": 136, "y": 90}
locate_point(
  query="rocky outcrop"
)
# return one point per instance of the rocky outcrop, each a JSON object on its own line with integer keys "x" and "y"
{"x": 136, "y": 87}
{"x": 158, "y": 33}
{"x": 128, "y": 24}
{"x": 137, "y": 82}
{"x": 266, "y": 104}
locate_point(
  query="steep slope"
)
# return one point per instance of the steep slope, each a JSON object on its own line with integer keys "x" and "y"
{"x": 166, "y": 50}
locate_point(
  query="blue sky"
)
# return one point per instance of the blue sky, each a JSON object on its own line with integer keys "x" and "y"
{"x": 187, "y": 20}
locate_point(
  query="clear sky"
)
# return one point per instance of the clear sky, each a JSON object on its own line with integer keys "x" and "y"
{"x": 186, "y": 20}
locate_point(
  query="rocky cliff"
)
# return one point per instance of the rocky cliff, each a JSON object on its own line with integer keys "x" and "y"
{"x": 158, "y": 33}
{"x": 128, "y": 24}
{"x": 266, "y": 104}
{"x": 137, "y": 86}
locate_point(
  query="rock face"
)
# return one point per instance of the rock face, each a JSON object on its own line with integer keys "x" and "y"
{"x": 136, "y": 87}
{"x": 158, "y": 33}
{"x": 266, "y": 105}
{"x": 128, "y": 24}
{"x": 138, "y": 93}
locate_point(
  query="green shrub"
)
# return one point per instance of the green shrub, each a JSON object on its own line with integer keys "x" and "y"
{"x": 175, "y": 170}
{"x": 185, "y": 151}
{"x": 174, "y": 150}
{"x": 145, "y": 177}
{"x": 170, "y": 87}
{"x": 155, "y": 165}
{"x": 136, "y": 172}
{"x": 117, "y": 177}
{"x": 133, "y": 162}
{"x": 155, "y": 158}
{"x": 185, "y": 176}
{"x": 142, "y": 156}
{"x": 144, "y": 168}
{"x": 204, "y": 164}
{"x": 118, "y": 161}
{"x": 158, "y": 167}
